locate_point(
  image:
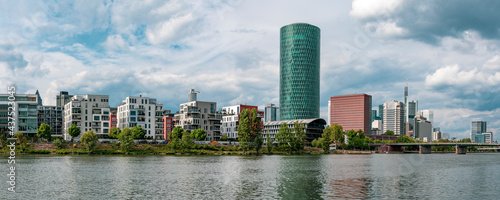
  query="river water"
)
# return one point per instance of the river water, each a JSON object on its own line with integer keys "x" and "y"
{"x": 388, "y": 176}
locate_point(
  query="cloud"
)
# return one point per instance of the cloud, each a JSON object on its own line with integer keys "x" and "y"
{"x": 115, "y": 42}
{"x": 430, "y": 21}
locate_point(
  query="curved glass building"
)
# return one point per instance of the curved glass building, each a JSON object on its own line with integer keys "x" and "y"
{"x": 299, "y": 71}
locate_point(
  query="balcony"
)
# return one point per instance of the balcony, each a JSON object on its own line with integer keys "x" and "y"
{"x": 96, "y": 125}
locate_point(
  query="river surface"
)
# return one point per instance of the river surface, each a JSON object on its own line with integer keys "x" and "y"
{"x": 387, "y": 176}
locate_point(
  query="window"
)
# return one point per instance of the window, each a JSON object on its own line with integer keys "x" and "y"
{"x": 97, "y": 117}
{"x": 132, "y": 112}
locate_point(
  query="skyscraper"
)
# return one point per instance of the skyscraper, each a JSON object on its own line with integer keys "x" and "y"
{"x": 428, "y": 114}
{"x": 477, "y": 128}
{"x": 351, "y": 111}
{"x": 394, "y": 117}
{"x": 271, "y": 113}
{"x": 299, "y": 71}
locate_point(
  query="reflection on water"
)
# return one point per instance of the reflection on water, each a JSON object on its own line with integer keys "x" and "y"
{"x": 390, "y": 176}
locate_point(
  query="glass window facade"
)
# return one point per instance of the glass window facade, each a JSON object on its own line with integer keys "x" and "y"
{"x": 299, "y": 71}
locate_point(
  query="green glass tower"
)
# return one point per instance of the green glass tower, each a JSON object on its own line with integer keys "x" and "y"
{"x": 299, "y": 71}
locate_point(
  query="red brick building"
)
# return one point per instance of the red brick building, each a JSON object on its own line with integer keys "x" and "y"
{"x": 351, "y": 111}
{"x": 168, "y": 126}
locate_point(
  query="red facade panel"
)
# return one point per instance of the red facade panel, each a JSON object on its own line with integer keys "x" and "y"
{"x": 351, "y": 111}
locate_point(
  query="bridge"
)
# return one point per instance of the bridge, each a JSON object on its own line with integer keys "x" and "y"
{"x": 425, "y": 148}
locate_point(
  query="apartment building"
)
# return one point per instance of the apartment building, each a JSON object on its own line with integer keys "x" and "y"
{"x": 87, "y": 112}
{"x": 200, "y": 115}
{"x": 135, "y": 111}
{"x": 25, "y": 107}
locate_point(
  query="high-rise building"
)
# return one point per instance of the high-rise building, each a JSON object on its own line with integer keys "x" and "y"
{"x": 87, "y": 112}
{"x": 192, "y": 96}
{"x": 351, "y": 111}
{"x": 394, "y": 117}
{"x": 62, "y": 98}
{"x": 377, "y": 127}
{"x": 488, "y": 137}
{"x": 436, "y": 135}
{"x": 200, "y": 115}
{"x": 299, "y": 71}
{"x": 373, "y": 116}
{"x": 423, "y": 129}
{"x": 26, "y": 113}
{"x": 135, "y": 111}
{"x": 477, "y": 127}
{"x": 428, "y": 114}
{"x": 406, "y": 103}
{"x": 231, "y": 116}
{"x": 271, "y": 113}
{"x": 52, "y": 116}
{"x": 381, "y": 112}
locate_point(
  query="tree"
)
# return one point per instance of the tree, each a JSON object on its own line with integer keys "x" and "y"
{"x": 199, "y": 134}
{"x": 298, "y": 137}
{"x": 44, "y": 131}
{"x": 258, "y": 143}
{"x": 404, "y": 139}
{"x": 19, "y": 136}
{"x": 176, "y": 133}
{"x": 89, "y": 140}
{"x": 114, "y": 133}
{"x": 255, "y": 127}
{"x": 187, "y": 140}
{"x": 283, "y": 136}
{"x": 73, "y": 131}
{"x": 244, "y": 130}
{"x": 333, "y": 134}
{"x": 57, "y": 143}
{"x": 269, "y": 143}
{"x": 138, "y": 132}
{"x": 126, "y": 139}
{"x": 357, "y": 140}
{"x": 224, "y": 138}
{"x": 389, "y": 132}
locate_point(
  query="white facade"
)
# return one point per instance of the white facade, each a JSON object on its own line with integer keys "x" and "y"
{"x": 230, "y": 121}
{"x": 436, "y": 135}
{"x": 377, "y": 127}
{"x": 200, "y": 115}
{"x": 393, "y": 117}
{"x": 135, "y": 111}
{"x": 87, "y": 112}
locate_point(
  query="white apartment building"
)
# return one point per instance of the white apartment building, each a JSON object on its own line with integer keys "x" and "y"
{"x": 200, "y": 114}
{"x": 87, "y": 112}
{"x": 135, "y": 111}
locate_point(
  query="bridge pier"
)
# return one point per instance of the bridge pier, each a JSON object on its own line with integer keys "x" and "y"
{"x": 424, "y": 149}
{"x": 461, "y": 149}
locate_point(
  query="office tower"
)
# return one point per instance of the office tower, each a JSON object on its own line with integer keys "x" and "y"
{"x": 135, "y": 111}
{"x": 192, "y": 96}
{"x": 428, "y": 114}
{"x": 231, "y": 118}
{"x": 477, "y": 128}
{"x": 299, "y": 71}
{"x": 62, "y": 98}
{"x": 25, "y": 117}
{"x": 200, "y": 115}
{"x": 373, "y": 115}
{"x": 488, "y": 137}
{"x": 423, "y": 129}
{"x": 381, "y": 112}
{"x": 87, "y": 112}
{"x": 406, "y": 103}
{"x": 351, "y": 112}
{"x": 271, "y": 113}
{"x": 394, "y": 117}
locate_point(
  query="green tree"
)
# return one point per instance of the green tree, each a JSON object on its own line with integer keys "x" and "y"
{"x": 199, "y": 134}
{"x": 176, "y": 133}
{"x": 44, "y": 131}
{"x": 389, "y": 132}
{"x": 19, "y": 135}
{"x": 333, "y": 134}
{"x": 73, "y": 131}
{"x": 244, "y": 130}
{"x": 126, "y": 139}
{"x": 138, "y": 132}
{"x": 255, "y": 127}
{"x": 357, "y": 140}
{"x": 258, "y": 143}
{"x": 283, "y": 136}
{"x": 89, "y": 140}
{"x": 114, "y": 133}
{"x": 404, "y": 139}
{"x": 298, "y": 136}
{"x": 224, "y": 138}
{"x": 269, "y": 143}
{"x": 187, "y": 140}
{"x": 57, "y": 143}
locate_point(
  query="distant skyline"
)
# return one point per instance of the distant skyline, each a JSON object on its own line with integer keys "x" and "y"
{"x": 229, "y": 51}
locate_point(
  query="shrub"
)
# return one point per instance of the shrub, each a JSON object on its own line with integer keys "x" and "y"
{"x": 57, "y": 143}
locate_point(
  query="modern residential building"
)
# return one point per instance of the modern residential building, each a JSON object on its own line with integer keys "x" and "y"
{"x": 159, "y": 125}
{"x": 200, "y": 114}
{"x": 52, "y": 116}
{"x": 168, "y": 124}
{"x": 271, "y": 113}
{"x": 26, "y": 113}
{"x": 113, "y": 118}
{"x": 351, "y": 111}
{"x": 313, "y": 128}
{"x": 394, "y": 117}
{"x": 477, "y": 128}
{"x": 231, "y": 116}
{"x": 299, "y": 71}
{"x": 135, "y": 111}
{"x": 62, "y": 98}
{"x": 87, "y": 112}
{"x": 423, "y": 129}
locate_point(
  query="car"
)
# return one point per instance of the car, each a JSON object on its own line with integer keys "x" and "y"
{"x": 153, "y": 142}
{"x": 142, "y": 142}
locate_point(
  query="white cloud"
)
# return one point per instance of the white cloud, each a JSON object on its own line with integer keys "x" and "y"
{"x": 170, "y": 30}
{"x": 115, "y": 42}
{"x": 370, "y": 8}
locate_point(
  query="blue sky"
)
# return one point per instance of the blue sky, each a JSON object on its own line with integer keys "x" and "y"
{"x": 229, "y": 51}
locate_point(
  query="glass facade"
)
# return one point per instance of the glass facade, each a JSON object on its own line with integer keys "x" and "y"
{"x": 299, "y": 71}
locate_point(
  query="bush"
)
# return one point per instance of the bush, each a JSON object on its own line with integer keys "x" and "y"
{"x": 57, "y": 143}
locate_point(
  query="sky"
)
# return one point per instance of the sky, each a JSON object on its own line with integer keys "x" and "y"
{"x": 448, "y": 51}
